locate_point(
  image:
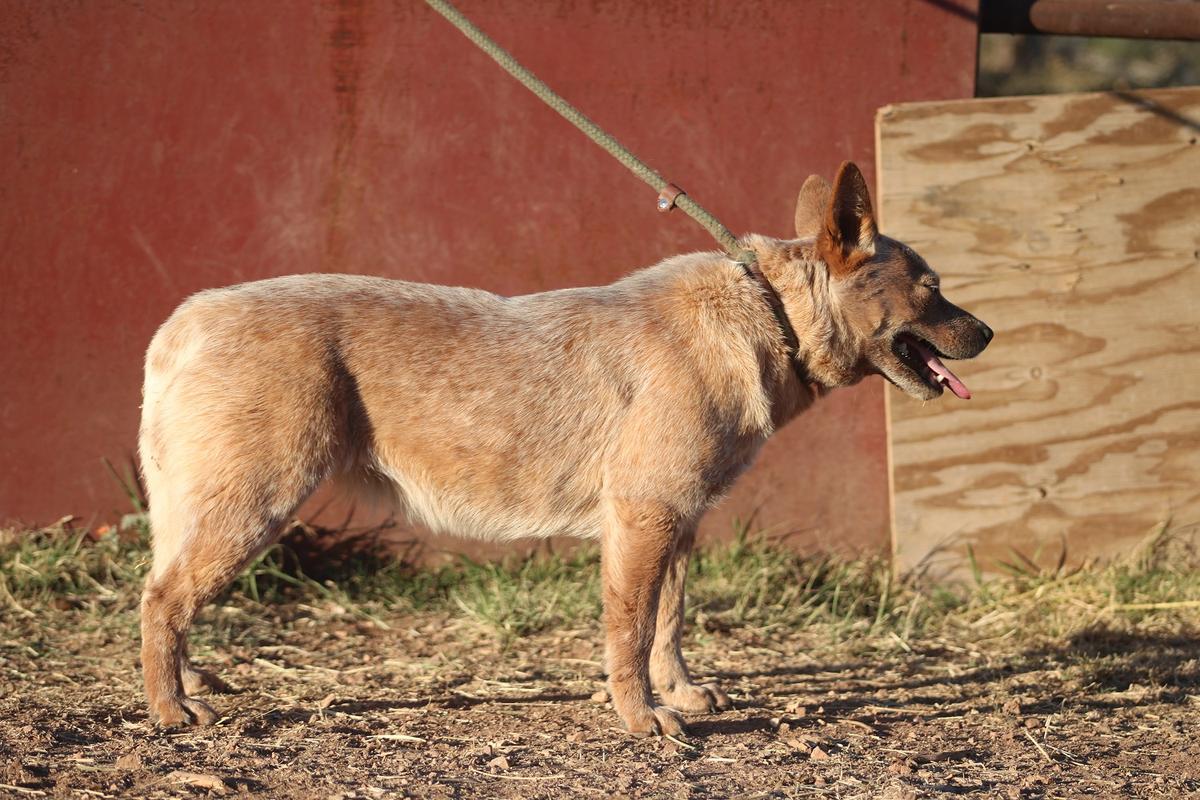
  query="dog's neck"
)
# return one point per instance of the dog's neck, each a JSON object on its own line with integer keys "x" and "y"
{"x": 795, "y": 274}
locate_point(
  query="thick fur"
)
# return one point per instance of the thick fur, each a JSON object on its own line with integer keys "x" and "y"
{"x": 619, "y": 412}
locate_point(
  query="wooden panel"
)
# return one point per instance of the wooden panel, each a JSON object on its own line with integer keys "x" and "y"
{"x": 1071, "y": 225}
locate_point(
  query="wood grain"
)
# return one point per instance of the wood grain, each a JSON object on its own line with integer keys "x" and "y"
{"x": 1071, "y": 225}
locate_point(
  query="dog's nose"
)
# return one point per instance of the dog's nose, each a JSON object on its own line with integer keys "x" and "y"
{"x": 986, "y": 331}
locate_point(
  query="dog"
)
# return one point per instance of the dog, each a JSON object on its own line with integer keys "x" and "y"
{"x": 618, "y": 413}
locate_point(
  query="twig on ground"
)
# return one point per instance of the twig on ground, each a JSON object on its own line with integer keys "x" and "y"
{"x": 553, "y": 777}
{"x": 1156, "y": 606}
{"x": 1036, "y": 744}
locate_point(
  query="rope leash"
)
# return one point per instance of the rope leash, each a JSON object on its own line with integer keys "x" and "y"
{"x": 670, "y": 196}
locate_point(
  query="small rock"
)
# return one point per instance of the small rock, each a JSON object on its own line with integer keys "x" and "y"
{"x": 210, "y": 782}
{"x": 1032, "y": 723}
{"x": 600, "y": 696}
{"x": 499, "y": 762}
{"x": 129, "y": 761}
{"x": 797, "y": 745}
{"x": 818, "y": 754}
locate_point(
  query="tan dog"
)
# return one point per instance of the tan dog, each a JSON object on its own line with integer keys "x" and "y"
{"x": 618, "y": 413}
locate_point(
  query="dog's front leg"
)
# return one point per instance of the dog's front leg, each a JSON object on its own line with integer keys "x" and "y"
{"x": 668, "y": 670}
{"x": 636, "y": 549}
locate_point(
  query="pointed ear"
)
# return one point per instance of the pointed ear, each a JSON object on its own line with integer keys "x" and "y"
{"x": 848, "y": 236}
{"x": 811, "y": 205}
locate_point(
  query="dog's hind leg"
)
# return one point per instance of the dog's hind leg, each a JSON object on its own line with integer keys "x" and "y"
{"x": 636, "y": 549}
{"x": 668, "y": 670}
{"x": 210, "y": 517}
{"x": 218, "y": 546}
{"x": 247, "y": 407}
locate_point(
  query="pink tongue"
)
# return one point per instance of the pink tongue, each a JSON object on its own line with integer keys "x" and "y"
{"x": 935, "y": 364}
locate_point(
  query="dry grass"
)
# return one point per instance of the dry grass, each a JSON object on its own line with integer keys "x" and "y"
{"x": 749, "y": 582}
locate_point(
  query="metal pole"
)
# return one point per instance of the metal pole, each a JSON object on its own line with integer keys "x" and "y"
{"x": 1131, "y": 19}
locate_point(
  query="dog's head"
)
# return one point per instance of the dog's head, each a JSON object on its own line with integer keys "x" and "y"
{"x": 888, "y": 300}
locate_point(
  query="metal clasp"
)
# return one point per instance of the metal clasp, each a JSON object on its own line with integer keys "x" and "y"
{"x": 667, "y": 197}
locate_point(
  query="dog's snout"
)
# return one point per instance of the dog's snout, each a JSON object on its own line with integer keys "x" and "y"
{"x": 986, "y": 332}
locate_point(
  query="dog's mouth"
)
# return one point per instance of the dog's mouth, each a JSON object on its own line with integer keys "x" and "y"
{"x": 922, "y": 359}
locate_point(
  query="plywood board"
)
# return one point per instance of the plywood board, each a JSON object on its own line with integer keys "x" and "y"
{"x": 1071, "y": 225}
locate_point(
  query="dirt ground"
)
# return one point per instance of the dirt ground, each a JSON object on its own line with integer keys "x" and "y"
{"x": 329, "y": 705}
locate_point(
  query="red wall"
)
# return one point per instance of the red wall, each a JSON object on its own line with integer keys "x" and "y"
{"x": 151, "y": 150}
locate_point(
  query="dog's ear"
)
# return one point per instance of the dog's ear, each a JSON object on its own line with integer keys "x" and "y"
{"x": 847, "y": 238}
{"x": 811, "y": 205}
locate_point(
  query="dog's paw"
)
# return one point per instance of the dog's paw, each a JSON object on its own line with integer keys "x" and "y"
{"x": 198, "y": 681}
{"x": 695, "y": 698}
{"x": 178, "y": 712}
{"x": 656, "y": 721}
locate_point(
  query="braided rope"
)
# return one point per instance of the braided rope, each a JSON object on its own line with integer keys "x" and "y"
{"x": 593, "y": 131}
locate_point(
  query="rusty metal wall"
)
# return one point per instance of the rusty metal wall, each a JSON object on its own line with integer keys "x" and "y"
{"x": 149, "y": 150}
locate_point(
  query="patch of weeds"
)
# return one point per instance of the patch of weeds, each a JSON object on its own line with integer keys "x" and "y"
{"x": 1157, "y": 584}
{"x": 528, "y": 595}
{"x": 64, "y": 566}
{"x": 753, "y": 580}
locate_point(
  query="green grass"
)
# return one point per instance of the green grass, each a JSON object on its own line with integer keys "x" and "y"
{"x": 60, "y": 565}
{"x": 749, "y": 582}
